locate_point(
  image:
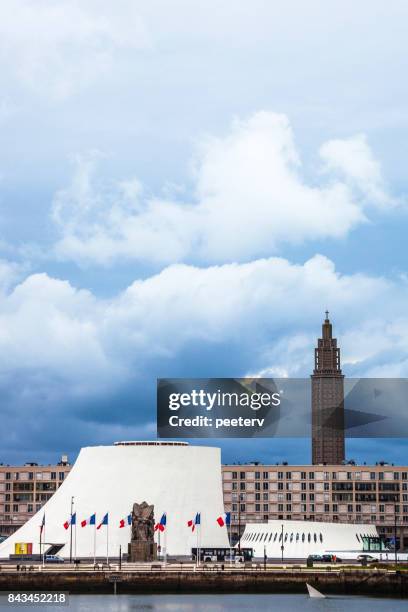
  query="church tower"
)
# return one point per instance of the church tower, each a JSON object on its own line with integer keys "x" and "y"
{"x": 327, "y": 401}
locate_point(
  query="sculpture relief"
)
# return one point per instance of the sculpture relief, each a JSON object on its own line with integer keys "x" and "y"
{"x": 143, "y": 522}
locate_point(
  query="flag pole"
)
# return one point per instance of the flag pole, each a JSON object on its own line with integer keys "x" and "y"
{"x": 107, "y": 542}
{"x": 70, "y": 531}
{"x": 94, "y": 551}
{"x": 165, "y": 543}
{"x": 43, "y": 556}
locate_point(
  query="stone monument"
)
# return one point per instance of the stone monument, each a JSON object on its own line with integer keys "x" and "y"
{"x": 142, "y": 546}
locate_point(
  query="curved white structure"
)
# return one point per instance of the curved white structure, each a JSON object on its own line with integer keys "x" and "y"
{"x": 304, "y": 538}
{"x": 178, "y": 479}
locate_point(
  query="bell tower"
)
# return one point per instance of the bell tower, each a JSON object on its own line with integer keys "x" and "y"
{"x": 327, "y": 400}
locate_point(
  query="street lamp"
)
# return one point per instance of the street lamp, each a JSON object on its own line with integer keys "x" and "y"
{"x": 240, "y": 497}
{"x": 282, "y": 546}
{"x": 395, "y": 533}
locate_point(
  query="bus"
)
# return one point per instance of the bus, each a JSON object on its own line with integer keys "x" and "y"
{"x": 207, "y": 554}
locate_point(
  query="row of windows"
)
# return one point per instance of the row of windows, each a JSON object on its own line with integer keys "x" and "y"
{"x": 30, "y": 475}
{"x": 261, "y": 537}
{"x": 336, "y": 486}
{"x": 335, "y": 508}
{"x": 326, "y": 475}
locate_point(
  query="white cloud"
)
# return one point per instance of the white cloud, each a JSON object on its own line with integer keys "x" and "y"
{"x": 57, "y": 48}
{"x": 269, "y": 308}
{"x": 250, "y": 197}
{"x": 354, "y": 159}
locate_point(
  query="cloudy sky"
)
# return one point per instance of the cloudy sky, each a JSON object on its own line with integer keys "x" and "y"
{"x": 184, "y": 189}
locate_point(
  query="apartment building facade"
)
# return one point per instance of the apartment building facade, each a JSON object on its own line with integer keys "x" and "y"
{"x": 378, "y": 495}
{"x": 25, "y": 489}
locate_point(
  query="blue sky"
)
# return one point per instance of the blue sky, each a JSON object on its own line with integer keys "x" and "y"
{"x": 183, "y": 191}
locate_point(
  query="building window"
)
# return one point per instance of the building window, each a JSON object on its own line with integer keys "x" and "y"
{"x": 264, "y": 496}
{"x": 396, "y": 475}
{"x": 61, "y": 475}
{"x": 289, "y": 475}
{"x": 380, "y": 475}
{"x": 303, "y": 486}
{"x": 242, "y": 486}
{"x": 303, "y": 496}
{"x": 257, "y": 486}
{"x": 372, "y": 475}
{"x": 234, "y": 475}
{"x": 280, "y": 486}
{"x": 8, "y": 475}
{"x": 348, "y": 475}
{"x": 358, "y": 508}
{"x": 288, "y": 507}
{"x": 257, "y": 496}
{"x": 280, "y": 475}
{"x": 303, "y": 476}
{"x": 265, "y": 508}
{"x": 326, "y": 508}
{"x": 288, "y": 496}
{"x": 350, "y": 508}
{"x": 265, "y": 475}
{"x": 335, "y": 508}
{"x": 311, "y": 475}
{"x": 334, "y": 475}
{"x": 257, "y": 475}
{"x": 311, "y": 496}
{"x": 404, "y": 475}
{"x": 311, "y": 486}
{"x": 327, "y": 486}
{"x": 265, "y": 486}
{"x": 15, "y": 507}
{"x": 242, "y": 475}
{"x": 280, "y": 507}
{"x": 257, "y": 507}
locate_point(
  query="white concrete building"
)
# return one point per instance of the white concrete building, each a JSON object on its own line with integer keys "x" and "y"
{"x": 304, "y": 538}
{"x": 178, "y": 479}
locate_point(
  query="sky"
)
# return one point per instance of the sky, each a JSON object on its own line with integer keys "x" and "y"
{"x": 184, "y": 189}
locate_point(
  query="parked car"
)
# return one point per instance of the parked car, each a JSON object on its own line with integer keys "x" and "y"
{"x": 316, "y": 558}
{"x": 331, "y": 559}
{"x": 325, "y": 558}
{"x": 368, "y": 558}
{"x": 53, "y": 559}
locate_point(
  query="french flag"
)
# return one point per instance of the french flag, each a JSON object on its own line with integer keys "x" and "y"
{"x": 127, "y": 520}
{"x": 161, "y": 525}
{"x": 90, "y": 521}
{"x": 224, "y": 519}
{"x": 197, "y": 521}
{"x": 104, "y": 521}
{"x": 70, "y": 521}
